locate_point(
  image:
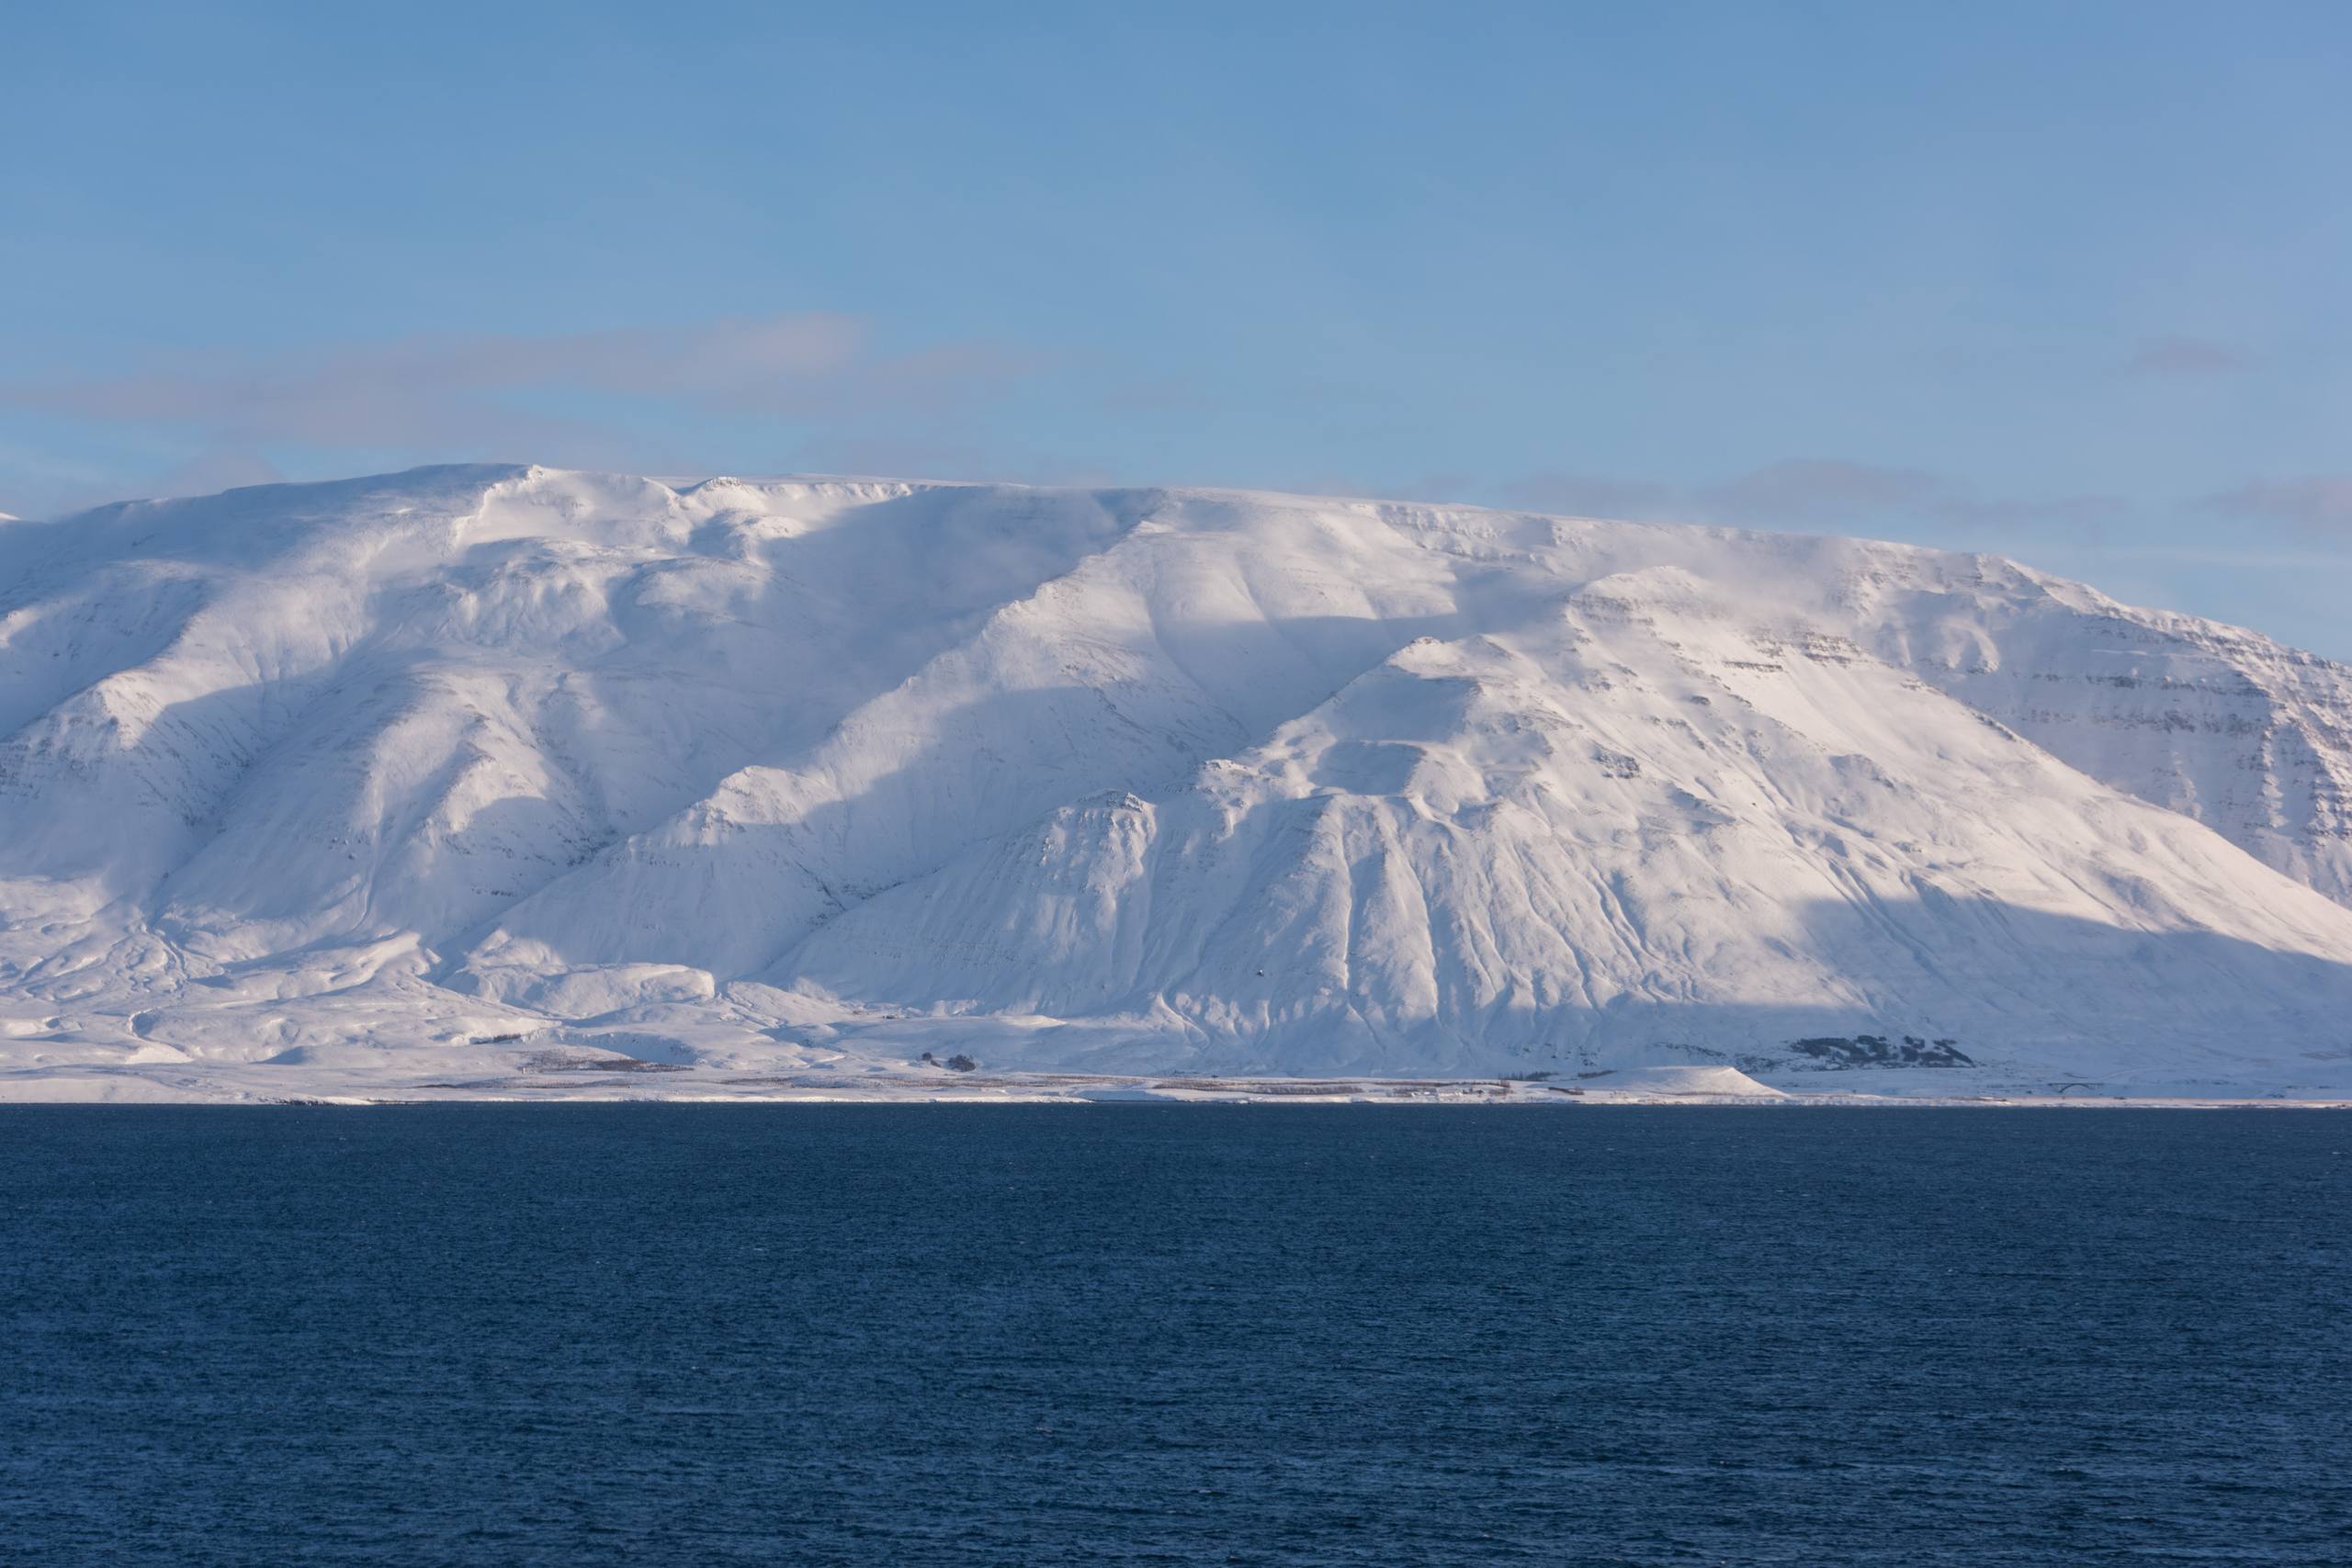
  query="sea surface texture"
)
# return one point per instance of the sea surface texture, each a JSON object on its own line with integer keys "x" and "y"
{"x": 687, "y": 1334}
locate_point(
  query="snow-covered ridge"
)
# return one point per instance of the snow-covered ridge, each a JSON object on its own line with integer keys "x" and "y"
{"x": 423, "y": 774}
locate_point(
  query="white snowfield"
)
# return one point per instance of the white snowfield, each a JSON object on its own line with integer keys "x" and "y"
{"x": 504, "y": 780}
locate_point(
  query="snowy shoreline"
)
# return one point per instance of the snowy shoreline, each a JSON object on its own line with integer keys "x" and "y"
{"x": 1701, "y": 1085}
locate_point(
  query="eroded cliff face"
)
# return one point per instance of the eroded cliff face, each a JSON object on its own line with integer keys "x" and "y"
{"x": 2252, "y": 739}
{"x": 402, "y": 773}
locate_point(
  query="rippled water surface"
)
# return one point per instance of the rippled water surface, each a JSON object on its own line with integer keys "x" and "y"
{"x": 687, "y": 1335}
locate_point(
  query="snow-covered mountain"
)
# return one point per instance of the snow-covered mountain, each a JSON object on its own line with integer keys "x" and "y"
{"x": 465, "y": 770}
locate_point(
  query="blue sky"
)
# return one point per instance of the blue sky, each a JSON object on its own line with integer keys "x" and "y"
{"x": 2063, "y": 280}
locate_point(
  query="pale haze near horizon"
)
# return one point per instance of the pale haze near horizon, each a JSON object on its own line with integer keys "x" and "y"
{"x": 2063, "y": 283}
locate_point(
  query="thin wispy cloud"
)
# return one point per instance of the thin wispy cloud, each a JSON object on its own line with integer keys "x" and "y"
{"x": 1831, "y": 491}
{"x": 492, "y": 394}
{"x": 1585, "y": 495}
{"x": 1834, "y": 490}
{"x": 2187, "y": 356}
{"x": 218, "y": 469}
{"x": 2313, "y": 503}
{"x": 1807, "y": 493}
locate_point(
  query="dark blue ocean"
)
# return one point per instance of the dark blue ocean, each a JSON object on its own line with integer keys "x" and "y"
{"x": 692, "y": 1334}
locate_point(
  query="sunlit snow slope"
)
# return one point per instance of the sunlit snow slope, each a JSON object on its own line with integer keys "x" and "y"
{"x": 430, "y": 773}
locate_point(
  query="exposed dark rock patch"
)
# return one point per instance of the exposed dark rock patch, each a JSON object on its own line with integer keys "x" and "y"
{"x": 1878, "y": 1051}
